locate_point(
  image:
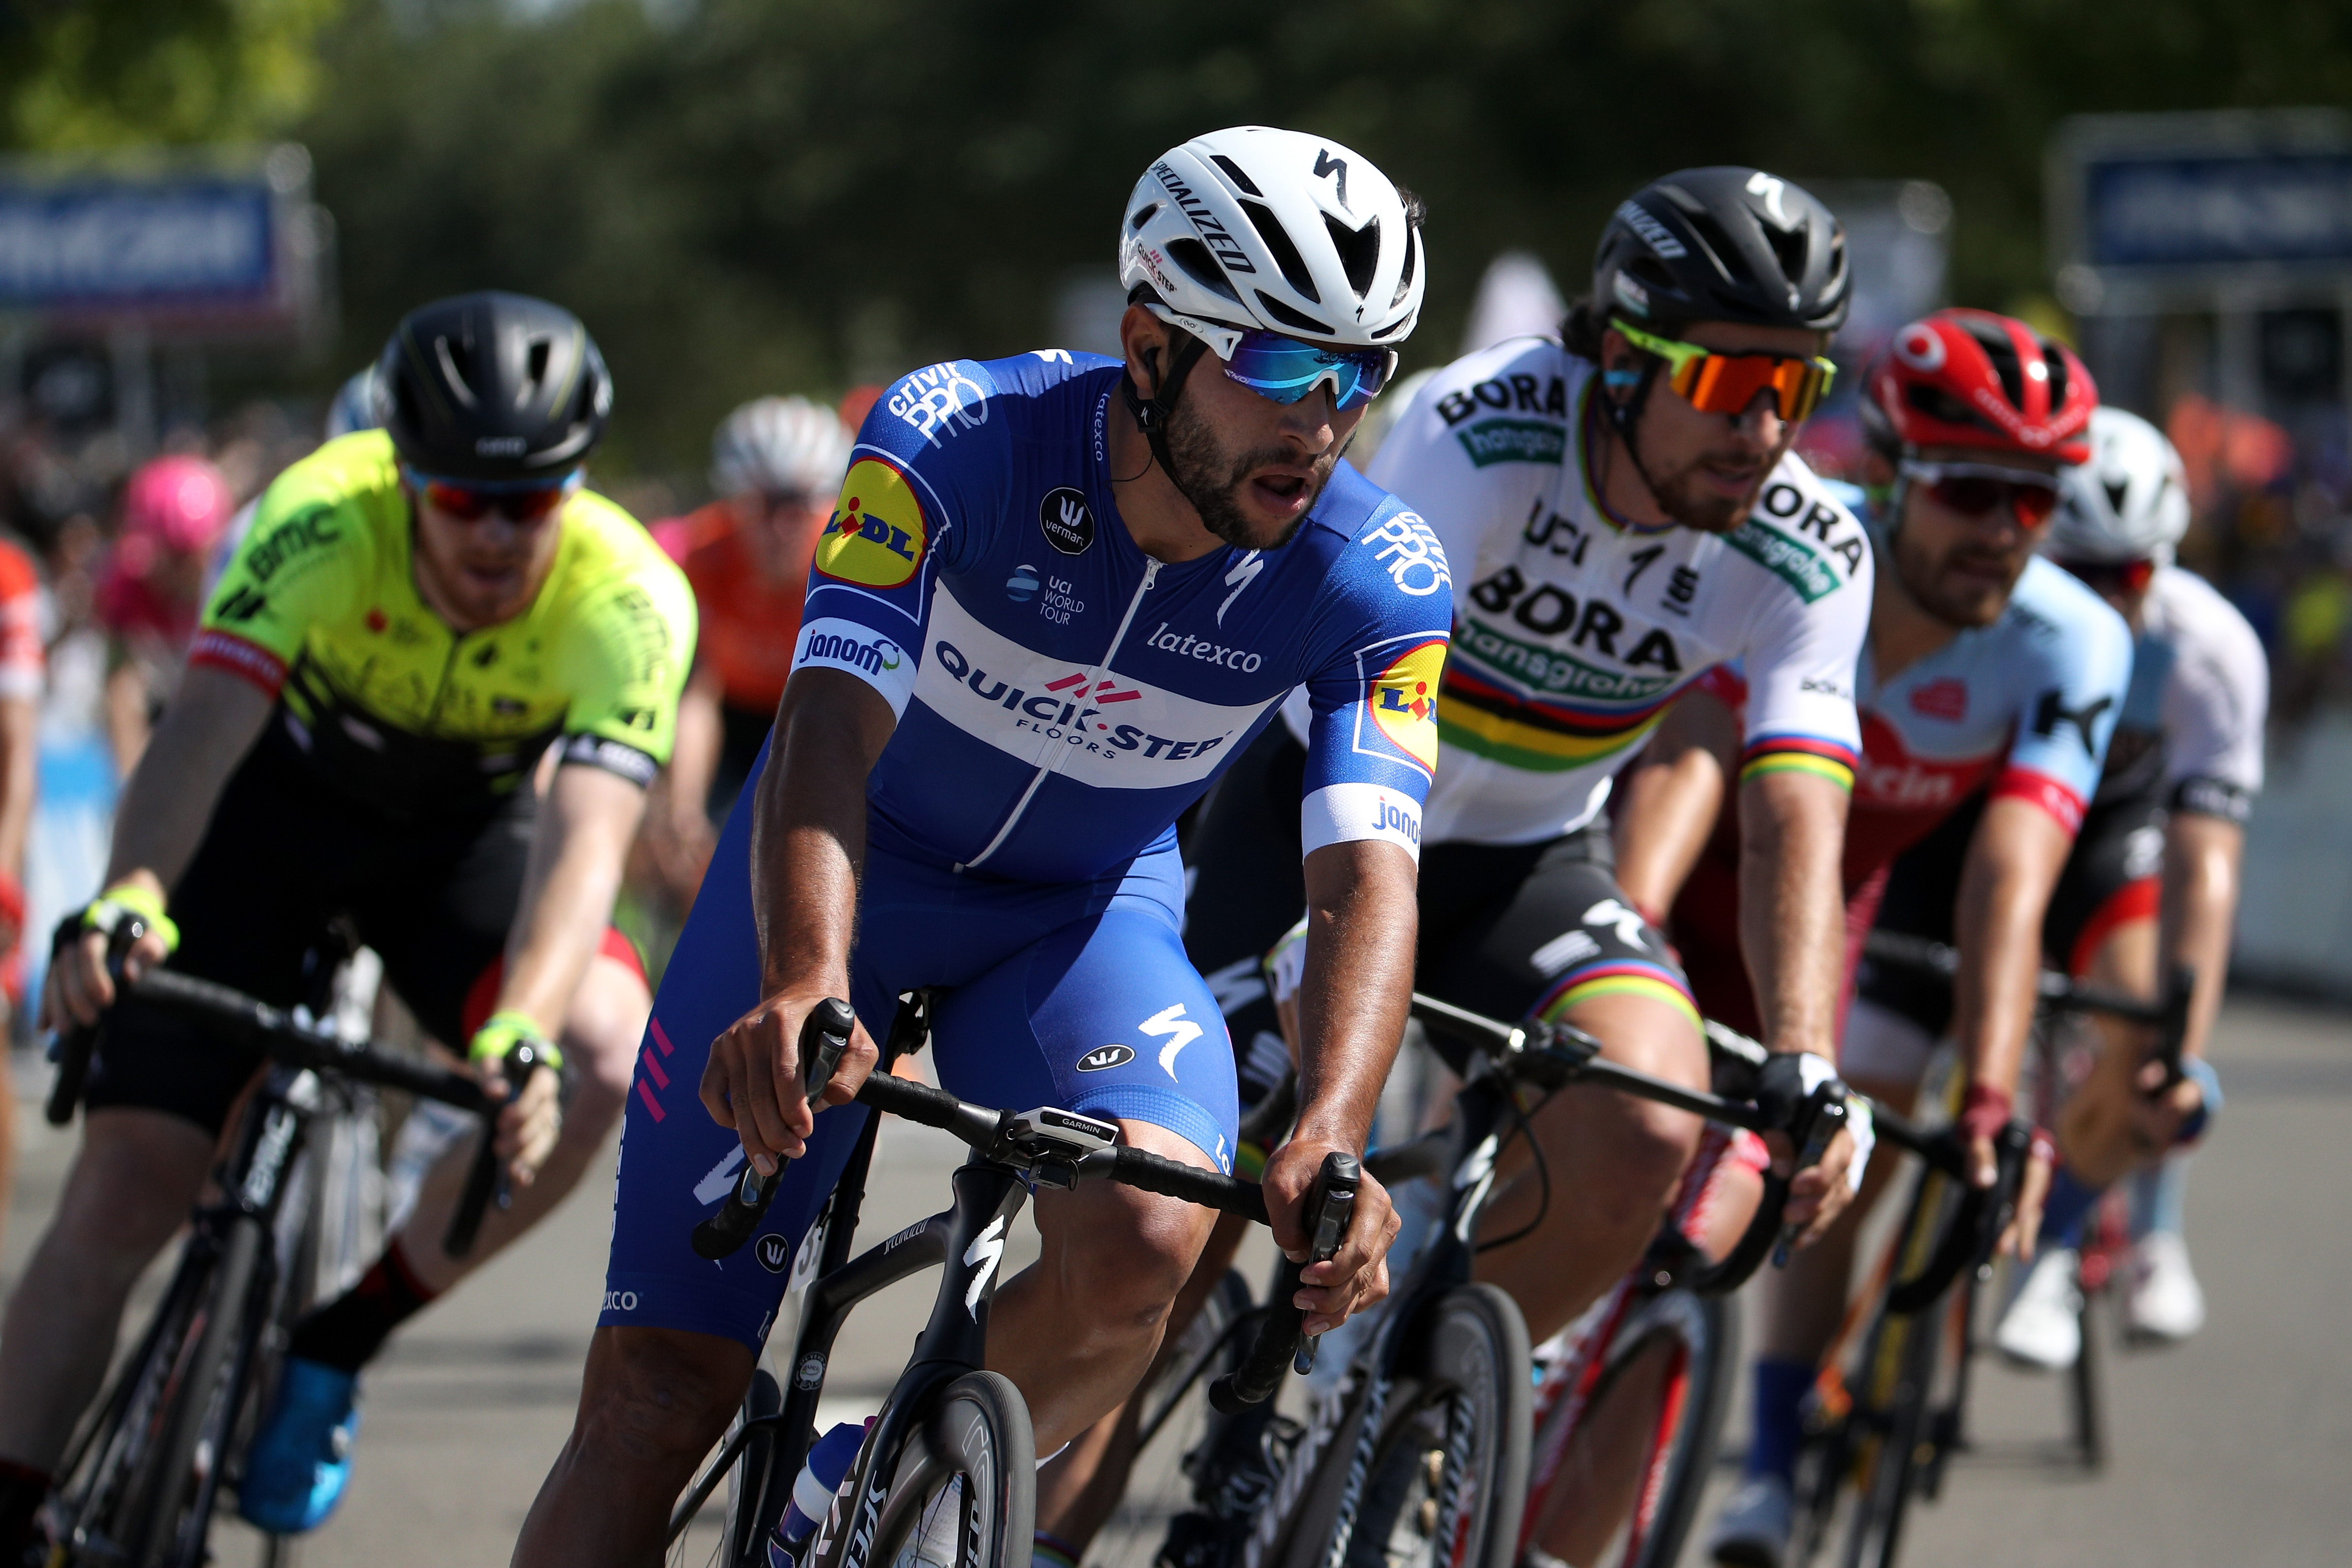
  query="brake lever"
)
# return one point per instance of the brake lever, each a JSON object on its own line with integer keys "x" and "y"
{"x": 1823, "y": 1123}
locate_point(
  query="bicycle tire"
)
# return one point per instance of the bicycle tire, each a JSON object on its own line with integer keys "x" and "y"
{"x": 976, "y": 1453}
{"x": 153, "y": 1527}
{"x": 752, "y": 1483}
{"x": 1883, "y": 1501}
{"x": 1447, "y": 1481}
{"x": 1701, "y": 1335}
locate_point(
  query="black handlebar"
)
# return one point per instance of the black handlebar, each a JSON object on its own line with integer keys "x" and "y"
{"x": 486, "y": 1178}
{"x": 1975, "y": 1229}
{"x": 824, "y": 1035}
{"x": 278, "y": 1035}
{"x": 1282, "y": 1341}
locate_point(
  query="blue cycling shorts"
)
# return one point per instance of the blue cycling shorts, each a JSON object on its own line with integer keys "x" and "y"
{"x": 1074, "y": 994}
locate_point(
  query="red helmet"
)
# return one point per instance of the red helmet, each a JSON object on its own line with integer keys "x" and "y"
{"x": 1970, "y": 378}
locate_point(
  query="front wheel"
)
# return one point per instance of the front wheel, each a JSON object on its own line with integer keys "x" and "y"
{"x": 1441, "y": 1480}
{"x": 1622, "y": 1483}
{"x": 964, "y": 1494}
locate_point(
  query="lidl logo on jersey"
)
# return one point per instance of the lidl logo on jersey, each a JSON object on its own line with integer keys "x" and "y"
{"x": 1401, "y": 701}
{"x": 875, "y": 536}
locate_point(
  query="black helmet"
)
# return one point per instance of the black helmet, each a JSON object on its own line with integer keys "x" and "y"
{"x": 493, "y": 386}
{"x": 1725, "y": 244}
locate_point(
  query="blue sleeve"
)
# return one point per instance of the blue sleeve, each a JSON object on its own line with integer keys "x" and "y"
{"x": 917, "y": 501}
{"x": 2070, "y": 705}
{"x": 1371, "y": 748}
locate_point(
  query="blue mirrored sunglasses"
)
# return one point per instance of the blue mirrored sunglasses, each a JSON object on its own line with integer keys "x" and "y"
{"x": 1284, "y": 370}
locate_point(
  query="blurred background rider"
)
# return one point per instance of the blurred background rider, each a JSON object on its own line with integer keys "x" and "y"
{"x": 775, "y": 466}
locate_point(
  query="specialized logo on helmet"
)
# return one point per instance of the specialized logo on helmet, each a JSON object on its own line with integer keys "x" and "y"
{"x": 1402, "y": 702}
{"x": 1659, "y": 238}
{"x": 1220, "y": 240}
{"x": 875, "y": 536}
{"x": 1921, "y": 347}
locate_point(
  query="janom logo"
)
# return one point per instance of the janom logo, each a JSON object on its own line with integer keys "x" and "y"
{"x": 1403, "y": 701}
{"x": 875, "y": 536}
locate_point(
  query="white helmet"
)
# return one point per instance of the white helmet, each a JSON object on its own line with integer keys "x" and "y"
{"x": 780, "y": 446}
{"x": 1257, "y": 227}
{"x": 2129, "y": 502}
{"x": 354, "y": 407}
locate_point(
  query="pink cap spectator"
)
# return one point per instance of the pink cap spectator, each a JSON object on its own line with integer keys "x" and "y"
{"x": 178, "y": 504}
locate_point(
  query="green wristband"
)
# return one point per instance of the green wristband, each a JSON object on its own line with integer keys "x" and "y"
{"x": 501, "y": 1032}
{"x": 108, "y": 909}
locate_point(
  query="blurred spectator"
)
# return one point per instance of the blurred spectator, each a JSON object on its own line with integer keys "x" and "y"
{"x": 174, "y": 511}
{"x": 20, "y": 695}
{"x": 776, "y": 465}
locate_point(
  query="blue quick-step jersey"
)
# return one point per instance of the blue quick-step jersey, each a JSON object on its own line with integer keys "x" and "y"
{"x": 1061, "y": 696}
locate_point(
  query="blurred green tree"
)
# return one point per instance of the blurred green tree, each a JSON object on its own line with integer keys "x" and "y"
{"x": 742, "y": 195}
{"x": 95, "y": 75}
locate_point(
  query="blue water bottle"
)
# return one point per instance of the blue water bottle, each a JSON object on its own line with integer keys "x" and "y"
{"x": 813, "y": 1491}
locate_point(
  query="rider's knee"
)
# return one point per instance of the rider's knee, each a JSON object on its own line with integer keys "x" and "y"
{"x": 601, "y": 1032}
{"x": 1129, "y": 1264}
{"x": 1645, "y": 1149}
{"x": 654, "y": 1397}
{"x": 131, "y": 1186}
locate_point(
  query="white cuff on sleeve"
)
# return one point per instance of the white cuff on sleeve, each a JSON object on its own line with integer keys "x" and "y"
{"x": 1343, "y": 812}
{"x": 863, "y": 652}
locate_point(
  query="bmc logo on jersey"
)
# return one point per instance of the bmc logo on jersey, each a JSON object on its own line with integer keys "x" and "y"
{"x": 875, "y": 536}
{"x": 1401, "y": 701}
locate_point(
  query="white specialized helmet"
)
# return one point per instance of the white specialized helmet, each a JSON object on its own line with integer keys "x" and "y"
{"x": 354, "y": 407}
{"x": 780, "y": 446}
{"x": 1254, "y": 226}
{"x": 2129, "y": 502}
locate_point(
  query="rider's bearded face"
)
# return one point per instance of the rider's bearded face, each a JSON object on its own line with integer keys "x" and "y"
{"x": 1705, "y": 471}
{"x": 1961, "y": 568}
{"x": 1252, "y": 467}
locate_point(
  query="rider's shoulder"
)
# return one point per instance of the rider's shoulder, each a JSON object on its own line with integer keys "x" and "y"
{"x": 2185, "y": 609}
{"x": 962, "y": 411}
{"x": 1513, "y": 402}
{"x": 330, "y": 506}
{"x": 2054, "y": 611}
{"x": 1379, "y": 556}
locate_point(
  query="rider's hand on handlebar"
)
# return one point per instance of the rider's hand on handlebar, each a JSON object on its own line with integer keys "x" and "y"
{"x": 78, "y": 987}
{"x": 531, "y": 1122}
{"x": 1356, "y": 1278}
{"x": 2020, "y": 1237}
{"x": 752, "y": 1083}
{"x": 1819, "y": 1194}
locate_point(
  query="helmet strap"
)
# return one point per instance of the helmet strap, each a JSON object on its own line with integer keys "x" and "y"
{"x": 1151, "y": 416}
{"x": 1626, "y": 417}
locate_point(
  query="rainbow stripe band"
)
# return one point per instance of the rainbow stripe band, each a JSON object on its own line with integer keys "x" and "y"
{"x": 1798, "y": 754}
{"x": 1618, "y": 977}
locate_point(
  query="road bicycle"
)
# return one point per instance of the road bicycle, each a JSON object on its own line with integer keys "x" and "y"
{"x": 143, "y": 1476}
{"x": 948, "y": 1465}
{"x": 1422, "y": 1451}
{"x": 1883, "y": 1426}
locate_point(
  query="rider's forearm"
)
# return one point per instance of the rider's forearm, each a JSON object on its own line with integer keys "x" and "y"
{"x": 808, "y": 828}
{"x": 573, "y": 875}
{"x": 1667, "y": 802}
{"x": 1792, "y": 907}
{"x": 212, "y": 723}
{"x": 2202, "y": 855}
{"x": 702, "y": 731}
{"x": 2013, "y": 864}
{"x": 1357, "y": 987}
{"x": 19, "y": 773}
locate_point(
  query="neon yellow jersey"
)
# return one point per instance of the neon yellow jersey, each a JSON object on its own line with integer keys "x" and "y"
{"x": 320, "y": 608}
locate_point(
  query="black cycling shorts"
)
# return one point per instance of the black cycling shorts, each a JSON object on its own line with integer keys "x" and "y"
{"x": 1510, "y": 930}
{"x": 283, "y": 856}
{"x": 2113, "y": 877}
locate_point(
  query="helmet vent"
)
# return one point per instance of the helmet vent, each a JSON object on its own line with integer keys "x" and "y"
{"x": 1717, "y": 245}
{"x": 1200, "y": 267}
{"x": 452, "y": 375}
{"x": 1404, "y": 274}
{"x": 1789, "y": 249}
{"x": 1359, "y": 252}
{"x": 1143, "y": 215}
{"x": 1234, "y": 173}
{"x": 2117, "y": 494}
{"x": 1286, "y": 253}
{"x": 1943, "y": 407}
{"x": 535, "y": 371}
{"x": 2002, "y": 352}
{"x": 1290, "y": 318}
{"x": 2056, "y": 363}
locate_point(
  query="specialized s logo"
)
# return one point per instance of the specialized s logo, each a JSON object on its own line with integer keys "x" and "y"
{"x": 1402, "y": 702}
{"x": 876, "y": 537}
{"x": 1178, "y": 1030}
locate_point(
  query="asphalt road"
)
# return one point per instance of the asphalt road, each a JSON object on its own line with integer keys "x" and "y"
{"x": 2235, "y": 1449}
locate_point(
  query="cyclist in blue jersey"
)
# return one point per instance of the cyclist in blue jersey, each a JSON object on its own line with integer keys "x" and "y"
{"x": 1058, "y": 594}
